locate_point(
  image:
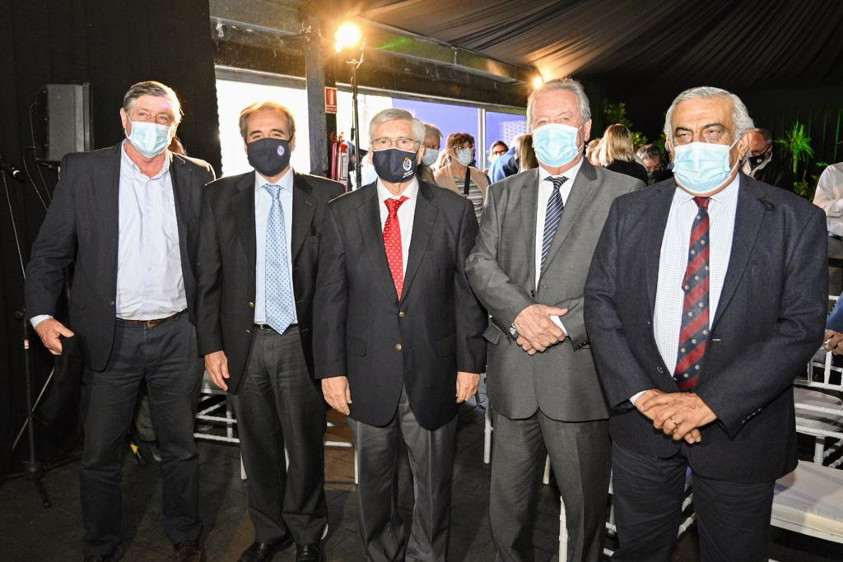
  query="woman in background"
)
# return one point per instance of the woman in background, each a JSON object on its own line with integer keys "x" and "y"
{"x": 458, "y": 175}
{"x": 618, "y": 154}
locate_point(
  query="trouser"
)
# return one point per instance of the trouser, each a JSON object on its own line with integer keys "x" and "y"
{"x": 166, "y": 358}
{"x": 580, "y": 456}
{"x": 733, "y": 518}
{"x": 431, "y": 456}
{"x": 278, "y": 407}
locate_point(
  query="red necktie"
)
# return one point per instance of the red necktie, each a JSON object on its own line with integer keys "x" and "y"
{"x": 392, "y": 243}
{"x": 693, "y": 337}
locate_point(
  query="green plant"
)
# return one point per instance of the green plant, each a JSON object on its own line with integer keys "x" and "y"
{"x": 797, "y": 144}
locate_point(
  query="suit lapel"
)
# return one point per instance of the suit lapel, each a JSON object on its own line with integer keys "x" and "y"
{"x": 529, "y": 204}
{"x": 581, "y": 194}
{"x": 748, "y": 218}
{"x": 368, "y": 213}
{"x": 656, "y": 220}
{"x": 243, "y": 205}
{"x": 304, "y": 206}
{"x": 107, "y": 194}
{"x": 180, "y": 177}
{"x": 423, "y": 222}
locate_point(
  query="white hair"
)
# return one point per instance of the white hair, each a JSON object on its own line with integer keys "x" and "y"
{"x": 560, "y": 84}
{"x": 740, "y": 116}
{"x": 394, "y": 114}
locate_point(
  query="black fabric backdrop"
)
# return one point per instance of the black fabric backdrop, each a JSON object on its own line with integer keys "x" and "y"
{"x": 111, "y": 44}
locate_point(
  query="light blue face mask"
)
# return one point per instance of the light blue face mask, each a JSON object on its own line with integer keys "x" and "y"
{"x": 702, "y": 167}
{"x": 556, "y": 144}
{"x": 150, "y": 138}
{"x": 465, "y": 156}
{"x": 430, "y": 156}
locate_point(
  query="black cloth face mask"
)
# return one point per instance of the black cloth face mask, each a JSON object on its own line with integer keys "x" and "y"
{"x": 269, "y": 156}
{"x": 394, "y": 165}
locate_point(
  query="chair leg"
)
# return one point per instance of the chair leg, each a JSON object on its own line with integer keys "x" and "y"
{"x": 819, "y": 446}
{"x": 546, "y": 476}
{"x": 487, "y": 435}
{"x": 563, "y": 532}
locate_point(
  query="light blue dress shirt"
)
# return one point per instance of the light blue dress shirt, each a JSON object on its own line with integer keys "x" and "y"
{"x": 150, "y": 284}
{"x": 263, "y": 202}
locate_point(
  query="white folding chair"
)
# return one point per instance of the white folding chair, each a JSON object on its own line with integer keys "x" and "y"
{"x": 818, "y": 407}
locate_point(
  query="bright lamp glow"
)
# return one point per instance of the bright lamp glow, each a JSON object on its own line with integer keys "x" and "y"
{"x": 347, "y": 36}
{"x": 538, "y": 81}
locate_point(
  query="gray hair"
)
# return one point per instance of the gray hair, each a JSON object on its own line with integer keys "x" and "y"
{"x": 740, "y": 116}
{"x": 560, "y": 84}
{"x": 153, "y": 88}
{"x": 432, "y": 131}
{"x": 394, "y": 114}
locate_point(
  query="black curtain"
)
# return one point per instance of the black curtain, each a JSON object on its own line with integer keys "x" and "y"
{"x": 110, "y": 44}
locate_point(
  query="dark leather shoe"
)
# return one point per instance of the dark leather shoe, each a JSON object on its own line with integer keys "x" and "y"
{"x": 189, "y": 551}
{"x": 309, "y": 552}
{"x": 264, "y": 551}
{"x": 113, "y": 557}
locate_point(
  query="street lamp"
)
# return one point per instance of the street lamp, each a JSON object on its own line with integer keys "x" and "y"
{"x": 349, "y": 40}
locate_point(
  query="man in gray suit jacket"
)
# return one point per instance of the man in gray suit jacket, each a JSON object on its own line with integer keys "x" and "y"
{"x": 528, "y": 268}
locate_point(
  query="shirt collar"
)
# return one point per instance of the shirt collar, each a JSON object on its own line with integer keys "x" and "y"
{"x": 136, "y": 170}
{"x": 725, "y": 197}
{"x": 571, "y": 174}
{"x": 285, "y": 181}
{"x": 411, "y": 192}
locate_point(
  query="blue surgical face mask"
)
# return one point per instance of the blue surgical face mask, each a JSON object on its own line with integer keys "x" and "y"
{"x": 430, "y": 156}
{"x": 702, "y": 167}
{"x": 149, "y": 138}
{"x": 556, "y": 144}
{"x": 465, "y": 156}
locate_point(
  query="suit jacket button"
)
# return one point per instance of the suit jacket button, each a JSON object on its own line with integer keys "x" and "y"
{"x": 398, "y": 347}
{"x": 248, "y": 331}
{"x": 402, "y": 314}
{"x": 251, "y": 305}
{"x": 111, "y": 303}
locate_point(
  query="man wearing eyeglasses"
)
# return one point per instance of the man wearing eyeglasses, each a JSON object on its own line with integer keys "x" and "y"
{"x": 399, "y": 335}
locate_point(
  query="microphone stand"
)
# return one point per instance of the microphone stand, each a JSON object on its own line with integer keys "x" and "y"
{"x": 33, "y": 470}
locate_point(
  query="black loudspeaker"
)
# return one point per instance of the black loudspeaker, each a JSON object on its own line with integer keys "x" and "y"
{"x": 68, "y": 119}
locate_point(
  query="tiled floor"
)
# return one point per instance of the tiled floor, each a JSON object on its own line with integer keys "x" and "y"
{"x": 30, "y": 533}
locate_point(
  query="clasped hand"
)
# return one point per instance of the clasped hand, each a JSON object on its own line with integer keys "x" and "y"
{"x": 536, "y": 331}
{"x": 679, "y": 415}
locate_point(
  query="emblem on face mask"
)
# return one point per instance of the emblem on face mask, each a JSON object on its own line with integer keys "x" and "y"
{"x": 281, "y": 150}
{"x": 408, "y": 164}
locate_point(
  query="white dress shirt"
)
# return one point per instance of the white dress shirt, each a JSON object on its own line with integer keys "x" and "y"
{"x": 406, "y": 213}
{"x": 149, "y": 274}
{"x": 545, "y": 190}
{"x": 829, "y": 196}
{"x": 263, "y": 203}
{"x": 673, "y": 261}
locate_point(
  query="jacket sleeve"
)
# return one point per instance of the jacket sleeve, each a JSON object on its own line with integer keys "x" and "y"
{"x": 208, "y": 281}
{"x": 330, "y": 301}
{"x": 471, "y": 318}
{"x": 503, "y": 298}
{"x": 55, "y": 247}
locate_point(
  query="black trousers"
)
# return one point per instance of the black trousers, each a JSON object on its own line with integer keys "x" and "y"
{"x": 579, "y": 454}
{"x": 431, "y": 456}
{"x": 733, "y": 518}
{"x": 278, "y": 406}
{"x": 166, "y": 358}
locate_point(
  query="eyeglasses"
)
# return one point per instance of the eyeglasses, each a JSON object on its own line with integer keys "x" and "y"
{"x": 403, "y": 143}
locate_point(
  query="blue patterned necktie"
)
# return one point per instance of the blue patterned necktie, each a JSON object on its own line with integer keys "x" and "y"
{"x": 554, "y": 214}
{"x": 280, "y": 303}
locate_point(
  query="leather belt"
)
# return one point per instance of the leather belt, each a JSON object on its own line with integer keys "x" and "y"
{"x": 268, "y": 327}
{"x": 149, "y": 323}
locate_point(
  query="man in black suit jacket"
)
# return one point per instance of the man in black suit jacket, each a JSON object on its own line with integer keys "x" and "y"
{"x": 127, "y": 217}
{"x": 724, "y": 278}
{"x": 255, "y": 317}
{"x": 400, "y": 335}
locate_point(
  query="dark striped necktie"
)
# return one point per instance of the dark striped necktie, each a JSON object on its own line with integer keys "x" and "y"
{"x": 693, "y": 338}
{"x": 553, "y": 215}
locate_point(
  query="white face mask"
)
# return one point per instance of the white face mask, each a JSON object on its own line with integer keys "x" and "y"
{"x": 465, "y": 156}
{"x": 430, "y": 156}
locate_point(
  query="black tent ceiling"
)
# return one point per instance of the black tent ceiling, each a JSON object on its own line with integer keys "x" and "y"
{"x": 640, "y": 43}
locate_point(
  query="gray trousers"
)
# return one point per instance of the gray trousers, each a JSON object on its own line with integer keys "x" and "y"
{"x": 580, "y": 456}
{"x": 278, "y": 406}
{"x": 166, "y": 358}
{"x": 431, "y": 455}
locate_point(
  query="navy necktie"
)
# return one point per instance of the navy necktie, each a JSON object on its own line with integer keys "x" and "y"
{"x": 280, "y": 303}
{"x": 553, "y": 215}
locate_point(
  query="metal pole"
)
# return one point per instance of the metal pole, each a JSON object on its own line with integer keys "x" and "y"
{"x": 355, "y": 125}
